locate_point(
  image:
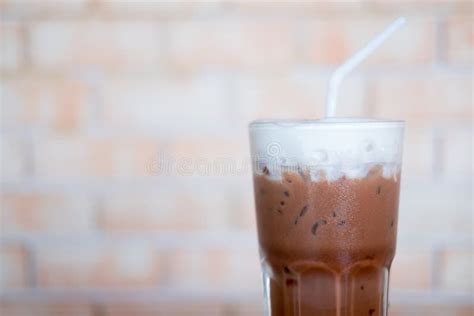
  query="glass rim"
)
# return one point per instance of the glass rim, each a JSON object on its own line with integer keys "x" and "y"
{"x": 325, "y": 123}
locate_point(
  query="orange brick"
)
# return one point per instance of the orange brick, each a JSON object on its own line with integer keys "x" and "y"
{"x": 417, "y": 8}
{"x": 456, "y": 269}
{"x": 246, "y": 275}
{"x": 231, "y": 43}
{"x": 274, "y": 97}
{"x": 130, "y": 264}
{"x": 250, "y": 308}
{"x": 332, "y": 41}
{"x": 419, "y": 151}
{"x": 180, "y": 9}
{"x": 457, "y": 151}
{"x": 190, "y": 104}
{"x": 19, "y": 109}
{"x": 57, "y": 44}
{"x": 13, "y": 268}
{"x": 175, "y": 308}
{"x": 434, "y": 309}
{"x": 243, "y": 215}
{"x": 132, "y": 156}
{"x": 38, "y": 103}
{"x": 231, "y": 269}
{"x": 177, "y": 206}
{"x": 296, "y": 9}
{"x": 460, "y": 40}
{"x": 21, "y": 307}
{"x": 43, "y": 9}
{"x": 47, "y": 212}
{"x": 299, "y": 95}
{"x": 74, "y": 158}
{"x": 210, "y": 148}
{"x": 426, "y": 209}
{"x": 186, "y": 307}
{"x": 334, "y": 9}
{"x": 14, "y": 160}
{"x": 11, "y": 46}
{"x": 433, "y": 97}
{"x": 198, "y": 268}
{"x": 411, "y": 269}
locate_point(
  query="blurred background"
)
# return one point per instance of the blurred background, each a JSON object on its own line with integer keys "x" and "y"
{"x": 95, "y": 95}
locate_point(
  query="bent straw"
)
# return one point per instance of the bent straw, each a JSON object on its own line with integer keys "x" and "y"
{"x": 339, "y": 74}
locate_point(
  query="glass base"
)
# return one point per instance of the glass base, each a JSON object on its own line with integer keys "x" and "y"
{"x": 313, "y": 289}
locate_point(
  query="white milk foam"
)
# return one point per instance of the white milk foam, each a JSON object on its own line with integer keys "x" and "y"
{"x": 333, "y": 147}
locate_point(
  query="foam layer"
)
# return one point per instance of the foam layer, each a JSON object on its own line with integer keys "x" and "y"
{"x": 333, "y": 147}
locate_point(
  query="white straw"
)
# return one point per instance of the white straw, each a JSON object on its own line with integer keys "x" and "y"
{"x": 352, "y": 62}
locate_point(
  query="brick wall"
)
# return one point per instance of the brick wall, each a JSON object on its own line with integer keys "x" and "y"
{"x": 93, "y": 91}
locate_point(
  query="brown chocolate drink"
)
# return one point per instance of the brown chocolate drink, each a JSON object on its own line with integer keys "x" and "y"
{"x": 326, "y": 245}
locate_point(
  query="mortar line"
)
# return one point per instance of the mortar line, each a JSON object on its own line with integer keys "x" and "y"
{"x": 436, "y": 268}
{"x": 25, "y": 39}
{"x": 31, "y": 265}
{"x": 441, "y": 41}
{"x": 438, "y": 150}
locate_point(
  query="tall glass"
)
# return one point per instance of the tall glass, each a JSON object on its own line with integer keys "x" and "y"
{"x": 326, "y": 194}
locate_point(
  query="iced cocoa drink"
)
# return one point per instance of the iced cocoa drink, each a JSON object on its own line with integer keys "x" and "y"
{"x": 326, "y": 197}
